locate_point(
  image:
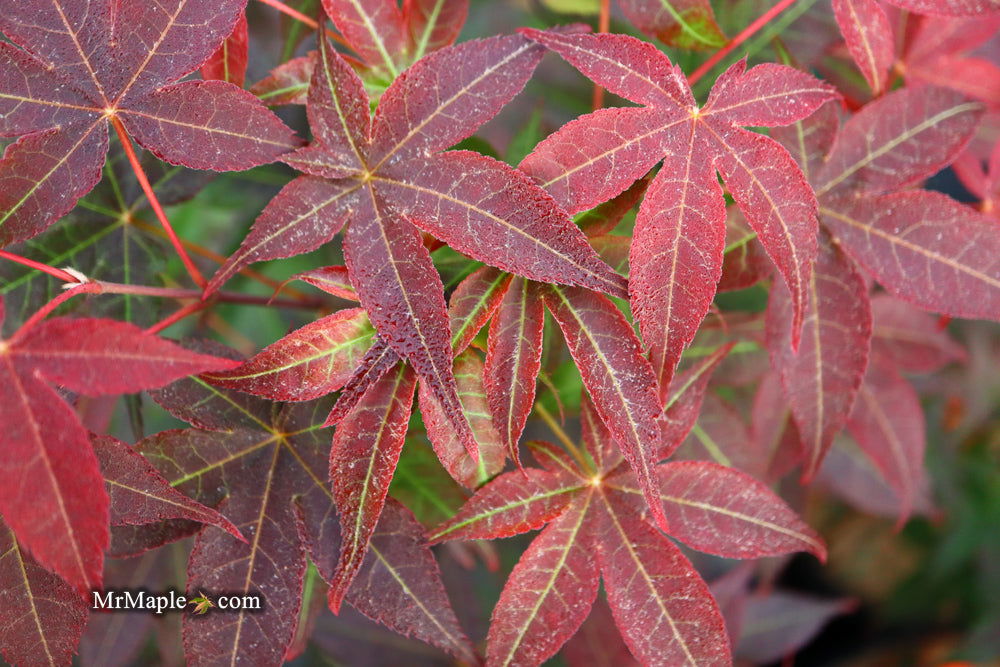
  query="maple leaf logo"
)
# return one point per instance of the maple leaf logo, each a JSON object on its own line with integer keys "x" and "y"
{"x": 201, "y": 603}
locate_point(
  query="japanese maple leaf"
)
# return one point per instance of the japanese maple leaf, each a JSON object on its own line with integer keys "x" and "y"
{"x": 53, "y": 497}
{"x": 389, "y": 180}
{"x": 83, "y": 63}
{"x": 921, "y": 246}
{"x": 949, "y": 7}
{"x": 594, "y": 511}
{"x": 677, "y": 249}
{"x": 264, "y": 465}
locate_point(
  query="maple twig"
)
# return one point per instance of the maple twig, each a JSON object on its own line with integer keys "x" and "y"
{"x": 51, "y": 270}
{"x": 226, "y": 297}
{"x": 202, "y": 251}
{"x": 567, "y": 442}
{"x": 299, "y": 16}
{"x": 746, "y": 34}
{"x": 603, "y": 25}
{"x": 177, "y": 316}
{"x": 46, "y": 310}
{"x": 154, "y": 203}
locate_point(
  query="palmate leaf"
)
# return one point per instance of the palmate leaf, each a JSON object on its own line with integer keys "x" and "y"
{"x": 62, "y": 95}
{"x": 596, "y": 527}
{"x": 677, "y": 250}
{"x": 43, "y": 617}
{"x": 389, "y": 183}
{"x": 54, "y": 499}
{"x": 922, "y": 246}
{"x": 267, "y": 464}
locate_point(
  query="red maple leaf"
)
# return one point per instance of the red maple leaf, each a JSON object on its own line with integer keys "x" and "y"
{"x": 921, "y": 246}
{"x": 83, "y": 63}
{"x": 677, "y": 249}
{"x": 388, "y": 179}
{"x": 594, "y": 511}
{"x": 54, "y": 498}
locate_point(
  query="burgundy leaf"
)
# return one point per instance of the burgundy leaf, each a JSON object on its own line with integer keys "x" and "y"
{"x": 433, "y": 24}
{"x": 598, "y": 642}
{"x": 676, "y": 255}
{"x": 549, "y": 593}
{"x": 399, "y": 585}
{"x": 619, "y": 379}
{"x": 662, "y": 607}
{"x": 683, "y": 404}
{"x": 869, "y": 37}
{"x": 493, "y": 213}
{"x": 822, "y": 378}
{"x": 810, "y": 139}
{"x": 366, "y": 447}
{"x": 307, "y": 213}
{"x": 43, "y": 617}
{"x": 513, "y": 361}
{"x": 924, "y": 248}
{"x": 56, "y": 503}
{"x": 373, "y": 28}
{"x": 308, "y": 363}
{"x": 331, "y": 279}
{"x": 140, "y": 495}
{"x": 288, "y": 83}
{"x": 229, "y": 62}
{"x": 473, "y": 303}
{"x": 443, "y": 98}
{"x": 888, "y": 424}
{"x": 402, "y": 292}
{"x": 725, "y": 512}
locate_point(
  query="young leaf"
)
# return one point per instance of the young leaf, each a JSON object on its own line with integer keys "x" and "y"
{"x": 205, "y": 125}
{"x": 288, "y": 83}
{"x": 598, "y": 156}
{"x": 43, "y": 617}
{"x": 373, "y": 28}
{"x": 433, "y": 24}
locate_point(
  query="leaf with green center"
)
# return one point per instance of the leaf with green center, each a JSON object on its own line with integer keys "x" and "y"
{"x": 686, "y": 24}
